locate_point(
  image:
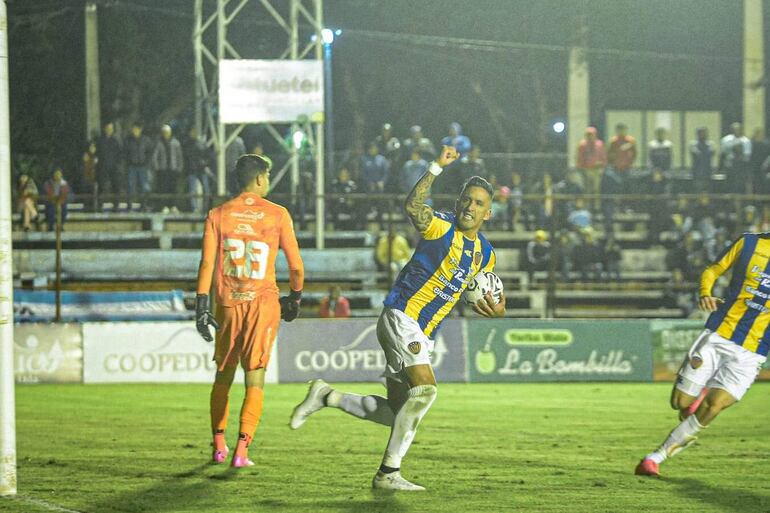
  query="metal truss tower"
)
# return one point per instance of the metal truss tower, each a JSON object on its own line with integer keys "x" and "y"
{"x": 216, "y": 16}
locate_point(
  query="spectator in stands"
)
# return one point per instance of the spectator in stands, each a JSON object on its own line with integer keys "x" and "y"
{"x": 702, "y": 154}
{"x": 684, "y": 254}
{"x": 682, "y": 219}
{"x": 621, "y": 156}
{"x": 680, "y": 294}
{"x": 750, "y": 220}
{"x": 587, "y": 256}
{"x": 343, "y": 209}
{"x": 232, "y": 154}
{"x": 412, "y": 170}
{"x": 89, "y": 162}
{"x": 26, "y": 201}
{"x": 516, "y": 211}
{"x": 374, "y": 169}
{"x": 660, "y": 151}
{"x": 305, "y": 199}
{"x": 198, "y": 169}
{"x": 567, "y": 243}
{"x": 417, "y": 141}
{"x": 572, "y": 188}
{"x": 579, "y": 217}
{"x": 612, "y": 256}
{"x": 335, "y": 305}
{"x": 543, "y": 206}
{"x": 704, "y": 221}
{"x": 760, "y": 152}
{"x": 138, "y": 150}
{"x": 472, "y": 164}
{"x": 717, "y": 245}
{"x": 538, "y": 253}
{"x": 764, "y": 222}
{"x": 109, "y": 170}
{"x": 456, "y": 138}
{"x": 499, "y": 207}
{"x": 591, "y": 161}
{"x": 57, "y": 192}
{"x": 167, "y": 165}
{"x": 394, "y": 258}
{"x": 388, "y": 145}
{"x": 735, "y": 155}
{"x": 657, "y": 206}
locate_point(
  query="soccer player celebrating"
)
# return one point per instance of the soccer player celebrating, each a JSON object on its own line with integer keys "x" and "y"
{"x": 451, "y": 252}
{"x": 726, "y": 358}
{"x": 241, "y": 238}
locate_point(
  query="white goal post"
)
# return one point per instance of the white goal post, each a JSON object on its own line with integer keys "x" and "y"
{"x": 7, "y": 403}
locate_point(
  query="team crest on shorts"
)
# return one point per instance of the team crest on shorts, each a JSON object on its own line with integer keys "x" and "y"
{"x": 414, "y": 347}
{"x": 477, "y": 258}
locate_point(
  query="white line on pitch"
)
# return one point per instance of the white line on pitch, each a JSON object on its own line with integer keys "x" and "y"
{"x": 41, "y": 503}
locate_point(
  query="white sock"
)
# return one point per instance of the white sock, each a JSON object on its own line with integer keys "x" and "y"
{"x": 677, "y": 440}
{"x": 405, "y": 423}
{"x": 368, "y": 407}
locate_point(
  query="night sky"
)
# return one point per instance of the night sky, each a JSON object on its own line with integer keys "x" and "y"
{"x": 399, "y": 61}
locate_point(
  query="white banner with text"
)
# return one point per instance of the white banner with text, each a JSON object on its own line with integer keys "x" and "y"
{"x": 278, "y": 91}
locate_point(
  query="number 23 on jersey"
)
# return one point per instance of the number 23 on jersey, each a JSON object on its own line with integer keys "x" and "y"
{"x": 245, "y": 258}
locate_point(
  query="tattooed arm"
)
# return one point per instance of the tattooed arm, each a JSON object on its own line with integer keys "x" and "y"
{"x": 420, "y": 213}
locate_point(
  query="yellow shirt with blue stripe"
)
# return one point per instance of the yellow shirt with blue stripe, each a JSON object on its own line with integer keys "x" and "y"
{"x": 744, "y": 317}
{"x": 430, "y": 285}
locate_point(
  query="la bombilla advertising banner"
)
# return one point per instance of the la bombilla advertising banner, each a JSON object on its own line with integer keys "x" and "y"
{"x": 347, "y": 350}
{"x": 533, "y": 350}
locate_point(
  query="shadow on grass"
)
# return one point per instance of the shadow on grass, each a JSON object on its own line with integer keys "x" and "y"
{"x": 200, "y": 489}
{"x": 183, "y": 490}
{"x": 728, "y": 498}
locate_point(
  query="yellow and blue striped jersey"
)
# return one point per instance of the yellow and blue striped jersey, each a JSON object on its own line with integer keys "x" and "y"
{"x": 744, "y": 317}
{"x": 442, "y": 265}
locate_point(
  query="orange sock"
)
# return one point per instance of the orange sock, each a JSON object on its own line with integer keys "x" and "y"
{"x": 251, "y": 411}
{"x": 220, "y": 408}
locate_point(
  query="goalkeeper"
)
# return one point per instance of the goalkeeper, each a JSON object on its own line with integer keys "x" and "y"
{"x": 240, "y": 243}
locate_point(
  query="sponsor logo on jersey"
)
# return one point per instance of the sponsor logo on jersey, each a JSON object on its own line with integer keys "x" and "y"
{"x": 414, "y": 347}
{"x": 242, "y": 296}
{"x": 248, "y": 214}
{"x": 468, "y": 253}
{"x": 244, "y": 228}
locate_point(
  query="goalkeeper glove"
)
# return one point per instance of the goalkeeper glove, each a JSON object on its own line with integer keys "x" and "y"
{"x": 290, "y": 305}
{"x": 204, "y": 318}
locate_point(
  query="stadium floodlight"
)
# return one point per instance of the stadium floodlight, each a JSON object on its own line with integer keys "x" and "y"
{"x": 327, "y": 36}
{"x": 559, "y": 127}
{"x": 298, "y": 138}
{"x": 7, "y": 407}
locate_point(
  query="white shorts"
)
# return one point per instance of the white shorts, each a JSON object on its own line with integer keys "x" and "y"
{"x": 404, "y": 343}
{"x": 723, "y": 364}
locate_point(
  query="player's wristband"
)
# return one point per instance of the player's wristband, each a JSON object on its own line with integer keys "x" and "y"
{"x": 201, "y": 303}
{"x": 435, "y": 169}
{"x": 295, "y": 295}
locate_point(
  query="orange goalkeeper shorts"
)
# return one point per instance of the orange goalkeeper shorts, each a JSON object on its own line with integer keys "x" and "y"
{"x": 247, "y": 333}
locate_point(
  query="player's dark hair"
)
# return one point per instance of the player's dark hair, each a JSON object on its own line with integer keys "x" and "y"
{"x": 249, "y": 166}
{"x": 477, "y": 181}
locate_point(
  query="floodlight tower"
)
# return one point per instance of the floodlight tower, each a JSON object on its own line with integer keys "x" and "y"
{"x": 207, "y": 62}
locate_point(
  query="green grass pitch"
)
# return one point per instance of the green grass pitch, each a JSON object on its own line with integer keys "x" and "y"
{"x": 481, "y": 448}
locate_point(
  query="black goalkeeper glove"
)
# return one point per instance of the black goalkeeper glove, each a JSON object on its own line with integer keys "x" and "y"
{"x": 290, "y": 305}
{"x": 204, "y": 318}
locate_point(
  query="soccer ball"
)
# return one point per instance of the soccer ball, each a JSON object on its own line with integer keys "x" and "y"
{"x": 482, "y": 283}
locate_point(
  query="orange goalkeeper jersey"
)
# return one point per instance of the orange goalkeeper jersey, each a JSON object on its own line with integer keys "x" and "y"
{"x": 243, "y": 236}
